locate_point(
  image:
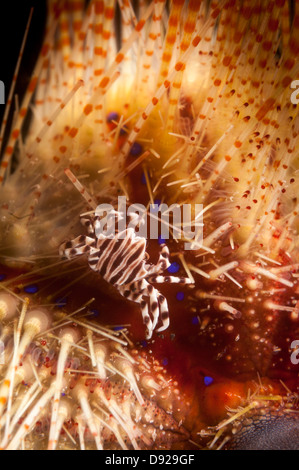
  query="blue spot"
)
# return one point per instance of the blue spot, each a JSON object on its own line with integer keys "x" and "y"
{"x": 208, "y": 380}
{"x": 165, "y": 361}
{"x": 180, "y": 296}
{"x": 61, "y": 302}
{"x": 118, "y": 328}
{"x": 113, "y": 116}
{"x": 63, "y": 394}
{"x": 195, "y": 321}
{"x": 143, "y": 179}
{"x": 173, "y": 268}
{"x": 2, "y": 276}
{"x": 32, "y": 289}
{"x": 144, "y": 343}
{"x": 161, "y": 240}
{"x": 95, "y": 312}
{"x": 136, "y": 149}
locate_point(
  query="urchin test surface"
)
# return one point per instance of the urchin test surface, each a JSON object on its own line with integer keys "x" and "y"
{"x": 273, "y": 431}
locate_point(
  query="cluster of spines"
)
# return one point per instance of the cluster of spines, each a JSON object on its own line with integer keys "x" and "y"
{"x": 74, "y": 377}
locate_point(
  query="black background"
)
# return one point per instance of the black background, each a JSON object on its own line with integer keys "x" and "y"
{"x": 13, "y": 19}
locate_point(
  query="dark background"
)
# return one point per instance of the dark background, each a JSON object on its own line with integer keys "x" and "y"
{"x": 13, "y": 19}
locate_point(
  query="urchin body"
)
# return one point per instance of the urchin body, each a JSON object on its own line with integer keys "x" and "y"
{"x": 121, "y": 261}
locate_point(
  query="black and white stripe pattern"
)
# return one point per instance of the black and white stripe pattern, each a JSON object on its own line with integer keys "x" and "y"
{"x": 121, "y": 261}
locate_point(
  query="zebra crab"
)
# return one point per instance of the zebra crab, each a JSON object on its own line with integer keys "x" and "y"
{"x": 122, "y": 261}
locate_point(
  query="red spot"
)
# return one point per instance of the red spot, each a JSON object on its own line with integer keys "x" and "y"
{"x": 273, "y": 24}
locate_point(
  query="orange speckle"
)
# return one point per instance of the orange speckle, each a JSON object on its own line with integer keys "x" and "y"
{"x": 237, "y": 36}
{"x": 99, "y": 7}
{"x": 77, "y": 25}
{"x": 98, "y": 50}
{"x": 215, "y": 13}
{"x": 106, "y": 35}
{"x": 119, "y": 58}
{"x": 179, "y": 66}
{"x": 73, "y": 132}
{"x": 226, "y": 61}
{"x": 289, "y": 64}
{"x": 98, "y": 29}
{"x": 294, "y": 46}
{"x": 171, "y": 39}
{"x": 189, "y": 27}
{"x": 109, "y": 13}
{"x": 273, "y": 24}
{"x": 286, "y": 81}
{"x": 166, "y": 57}
{"x": 45, "y": 49}
{"x": 104, "y": 82}
{"x": 173, "y": 22}
{"x": 140, "y": 25}
{"x": 88, "y": 109}
{"x": 32, "y": 84}
{"x": 196, "y": 41}
{"x": 16, "y": 133}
